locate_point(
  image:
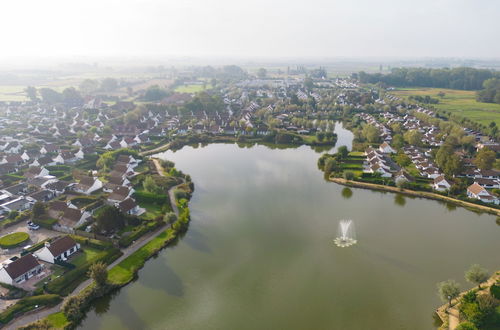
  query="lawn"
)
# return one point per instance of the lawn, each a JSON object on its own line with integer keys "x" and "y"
{"x": 457, "y": 101}
{"x": 12, "y": 93}
{"x": 191, "y": 88}
{"x": 13, "y": 240}
{"x": 57, "y": 320}
{"x": 87, "y": 254}
{"x": 125, "y": 270}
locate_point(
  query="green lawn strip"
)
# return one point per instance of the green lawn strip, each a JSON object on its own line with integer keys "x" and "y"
{"x": 13, "y": 240}
{"x": 125, "y": 271}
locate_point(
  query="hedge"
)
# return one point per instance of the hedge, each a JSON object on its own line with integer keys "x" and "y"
{"x": 35, "y": 247}
{"x": 65, "y": 284}
{"x": 26, "y": 304}
{"x": 138, "y": 231}
{"x": 146, "y": 197}
{"x": 92, "y": 242}
{"x": 46, "y": 223}
{"x": 12, "y": 240}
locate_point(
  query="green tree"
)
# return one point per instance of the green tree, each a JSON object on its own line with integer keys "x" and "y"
{"x": 109, "y": 219}
{"x": 38, "y": 210}
{"x": 72, "y": 308}
{"x": 98, "y": 273}
{"x": 466, "y": 326}
{"x": 170, "y": 217}
{"x": 448, "y": 290}
{"x": 371, "y": 133}
{"x": 50, "y": 96}
{"x": 485, "y": 158}
{"x": 150, "y": 185}
{"x": 343, "y": 152}
{"x": 402, "y": 159}
{"x": 31, "y": 93}
{"x": 88, "y": 86}
{"x": 72, "y": 97}
{"x": 262, "y": 73}
{"x": 413, "y": 137}
{"x": 398, "y": 141}
{"x": 109, "y": 84}
{"x": 477, "y": 275}
{"x": 155, "y": 93}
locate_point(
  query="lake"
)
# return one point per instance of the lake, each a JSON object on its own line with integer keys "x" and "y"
{"x": 259, "y": 251}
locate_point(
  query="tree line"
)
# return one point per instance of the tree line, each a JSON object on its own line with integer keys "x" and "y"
{"x": 463, "y": 78}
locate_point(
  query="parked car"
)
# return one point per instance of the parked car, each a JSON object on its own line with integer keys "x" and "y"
{"x": 33, "y": 226}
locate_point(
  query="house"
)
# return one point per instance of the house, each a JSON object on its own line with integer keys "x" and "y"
{"x": 119, "y": 194}
{"x": 36, "y": 172}
{"x": 129, "y": 206}
{"x": 88, "y": 185}
{"x": 72, "y": 217}
{"x": 488, "y": 183}
{"x": 386, "y": 148}
{"x": 475, "y": 191}
{"x": 441, "y": 184}
{"x": 59, "y": 250}
{"x": 403, "y": 176}
{"x": 19, "y": 270}
{"x": 19, "y": 204}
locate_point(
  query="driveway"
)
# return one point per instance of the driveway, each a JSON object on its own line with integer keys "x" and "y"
{"x": 35, "y": 237}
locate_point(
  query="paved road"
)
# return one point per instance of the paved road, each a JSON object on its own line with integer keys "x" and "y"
{"x": 35, "y": 316}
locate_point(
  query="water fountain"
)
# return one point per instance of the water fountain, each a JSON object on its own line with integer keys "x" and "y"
{"x": 347, "y": 234}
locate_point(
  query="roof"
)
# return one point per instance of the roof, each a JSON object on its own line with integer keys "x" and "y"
{"x": 61, "y": 245}
{"x": 475, "y": 188}
{"x": 127, "y": 205}
{"x": 58, "y": 206}
{"x": 21, "y": 266}
{"x": 72, "y": 214}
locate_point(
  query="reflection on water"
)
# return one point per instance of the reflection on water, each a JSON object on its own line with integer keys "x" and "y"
{"x": 346, "y": 192}
{"x": 399, "y": 200}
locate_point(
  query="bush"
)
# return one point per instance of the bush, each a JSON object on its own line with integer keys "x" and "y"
{"x": 91, "y": 242}
{"x": 46, "y": 223}
{"x": 348, "y": 175}
{"x": 466, "y": 326}
{"x": 12, "y": 240}
{"x": 146, "y": 227}
{"x": 146, "y": 197}
{"x": 495, "y": 291}
{"x": 26, "y": 304}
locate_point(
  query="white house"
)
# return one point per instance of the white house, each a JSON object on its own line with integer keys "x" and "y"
{"x": 441, "y": 184}
{"x": 88, "y": 185}
{"x": 61, "y": 249}
{"x": 386, "y": 148}
{"x": 19, "y": 270}
{"x": 477, "y": 192}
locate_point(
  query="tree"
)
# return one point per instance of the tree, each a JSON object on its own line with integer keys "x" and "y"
{"x": 348, "y": 175}
{"x": 371, "y": 133}
{"x": 38, "y": 210}
{"x": 72, "y": 308}
{"x": 477, "y": 275}
{"x": 31, "y": 93}
{"x": 485, "y": 158}
{"x": 343, "y": 152}
{"x": 398, "y": 141}
{"x": 109, "y": 84}
{"x": 98, "y": 273}
{"x": 150, "y": 185}
{"x": 170, "y": 217}
{"x": 109, "y": 219}
{"x": 448, "y": 290}
{"x": 413, "y": 137}
{"x": 88, "y": 86}
{"x": 466, "y": 326}
{"x": 72, "y": 97}
{"x": 402, "y": 159}
{"x": 50, "y": 96}
{"x": 155, "y": 93}
{"x": 308, "y": 84}
{"x": 262, "y": 73}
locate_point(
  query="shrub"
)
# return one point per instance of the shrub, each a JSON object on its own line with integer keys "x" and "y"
{"x": 146, "y": 197}
{"x": 91, "y": 242}
{"x": 146, "y": 227}
{"x": 495, "y": 291}
{"x": 46, "y": 223}
{"x": 26, "y": 304}
{"x": 348, "y": 175}
{"x": 466, "y": 326}
{"x": 12, "y": 240}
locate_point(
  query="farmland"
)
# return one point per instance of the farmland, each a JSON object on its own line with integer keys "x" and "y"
{"x": 460, "y": 102}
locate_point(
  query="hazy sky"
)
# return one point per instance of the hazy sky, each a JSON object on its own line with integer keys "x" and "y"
{"x": 250, "y": 28}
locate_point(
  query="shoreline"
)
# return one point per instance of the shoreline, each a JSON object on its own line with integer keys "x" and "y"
{"x": 413, "y": 193}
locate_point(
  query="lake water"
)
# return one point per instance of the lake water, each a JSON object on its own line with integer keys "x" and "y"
{"x": 259, "y": 252}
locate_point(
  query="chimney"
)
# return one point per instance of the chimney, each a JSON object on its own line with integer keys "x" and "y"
{"x": 47, "y": 244}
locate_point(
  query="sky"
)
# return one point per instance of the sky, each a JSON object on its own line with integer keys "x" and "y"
{"x": 251, "y": 28}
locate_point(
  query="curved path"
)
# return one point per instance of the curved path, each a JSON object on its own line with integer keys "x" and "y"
{"x": 42, "y": 313}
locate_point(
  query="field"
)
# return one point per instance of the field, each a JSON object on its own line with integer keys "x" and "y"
{"x": 192, "y": 88}
{"x": 460, "y": 102}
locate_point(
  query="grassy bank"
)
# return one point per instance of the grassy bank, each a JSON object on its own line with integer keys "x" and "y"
{"x": 422, "y": 194}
